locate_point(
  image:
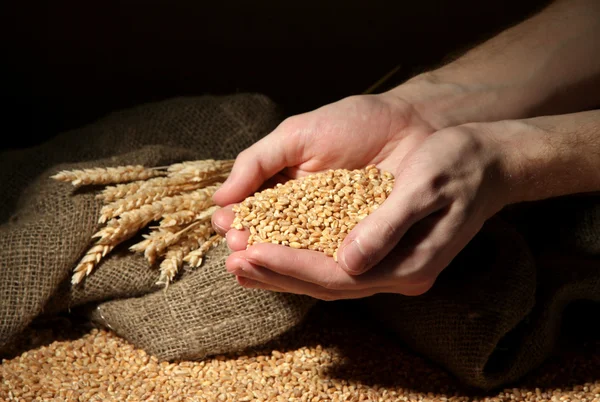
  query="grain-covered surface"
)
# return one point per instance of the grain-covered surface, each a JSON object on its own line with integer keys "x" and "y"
{"x": 331, "y": 357}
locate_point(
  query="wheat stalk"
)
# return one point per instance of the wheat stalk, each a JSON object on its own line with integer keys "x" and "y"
{"x": 178, "y": 197}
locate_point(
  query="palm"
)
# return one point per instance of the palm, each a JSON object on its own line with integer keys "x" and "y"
{"x": 353, "y": 133}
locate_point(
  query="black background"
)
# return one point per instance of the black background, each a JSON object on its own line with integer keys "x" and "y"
{"x": 67, "y": 63}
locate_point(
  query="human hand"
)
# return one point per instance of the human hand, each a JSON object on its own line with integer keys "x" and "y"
{"x": 352, "y": 133}
{"x": 445, "y": 190}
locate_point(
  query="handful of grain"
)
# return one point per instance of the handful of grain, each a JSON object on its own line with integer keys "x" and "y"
{"x": 315, "y": 212}
{"x": 174, "y": 202}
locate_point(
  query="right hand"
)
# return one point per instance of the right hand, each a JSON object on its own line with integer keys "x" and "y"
{"x": 351, "y": 133}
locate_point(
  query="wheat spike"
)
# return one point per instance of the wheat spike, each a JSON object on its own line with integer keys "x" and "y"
{"x": 91, "y": 258}
{"x": 118, "y": 191}
{"x": 142, "y": 197}
{"x": 197, "y": 172}
{"x": 109, "y": 175}
{"x": 155, "y": 245}
{"x": 201, "y": 165}
{"x": 114, "y": 193}
{"x": 174, "y": 256}
{"x": 130, "y": 222}
{"x": 178, "y": 197}
{"x": 195, "y": 257}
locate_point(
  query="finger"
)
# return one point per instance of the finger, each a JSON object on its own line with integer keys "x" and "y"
{"x": 237, "y": 239}
{"x": 305, "y": 265}
{"x": 376, "y": 235}
{"x": 251, "y": 275}
{"x": 424, "y": 252}
{"x": 222, "y": 220}
{"x": 252, "y": 284}
{"x": 259, "y": 162}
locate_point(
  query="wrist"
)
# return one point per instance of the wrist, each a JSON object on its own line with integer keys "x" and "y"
{"x": 548, "y": 157}
{"x": 449, "y": 97}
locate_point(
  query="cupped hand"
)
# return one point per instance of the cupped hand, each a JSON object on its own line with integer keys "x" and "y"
{"x": 444, "y": 191}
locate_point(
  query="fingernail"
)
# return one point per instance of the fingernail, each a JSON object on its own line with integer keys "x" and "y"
{"x": 243, "y": 268}
{"x": 220, "y": 229}
{"x": 227, "y": 241}
{"x": 245, "y": 282}
{"x": 353, "y": 257}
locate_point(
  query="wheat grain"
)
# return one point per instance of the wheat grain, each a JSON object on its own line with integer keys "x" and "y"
{"x": 315, "y": 212}
{"x": 320, "y": 362}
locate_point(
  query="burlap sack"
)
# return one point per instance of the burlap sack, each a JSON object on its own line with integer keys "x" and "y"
{"x": 494, "y": 314}
{"x": 48, "y": 227}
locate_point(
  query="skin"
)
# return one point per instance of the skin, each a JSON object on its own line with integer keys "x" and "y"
{"x": 462, "y": 144}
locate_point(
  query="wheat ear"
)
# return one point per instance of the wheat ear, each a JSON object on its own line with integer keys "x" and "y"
{"x": 174, "y": 256}
{"x": 195, "y": 257}
{"x": 91, "y": 258}
{"x": 110, "y": 175}
{"x": 130, "y": 222}
{"x": 155, "y": 245}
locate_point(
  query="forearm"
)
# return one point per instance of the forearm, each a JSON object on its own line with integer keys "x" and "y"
{"x": 548, "y": 64}
{"x": 551, "y": 156}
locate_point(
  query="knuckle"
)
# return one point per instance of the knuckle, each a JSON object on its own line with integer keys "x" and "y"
{"x": 290, "y": 125}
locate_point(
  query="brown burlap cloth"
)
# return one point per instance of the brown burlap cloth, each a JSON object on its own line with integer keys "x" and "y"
{"x": 494, "y": 314}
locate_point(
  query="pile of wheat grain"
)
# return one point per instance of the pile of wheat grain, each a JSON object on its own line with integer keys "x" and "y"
{"x": 173, "y": 202}
{"x": 322, "y": 361}
{"x": 315, "y": 212}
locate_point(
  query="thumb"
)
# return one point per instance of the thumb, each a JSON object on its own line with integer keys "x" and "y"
{"x": 257, "y": 164}
{"x": 375, "y": 236}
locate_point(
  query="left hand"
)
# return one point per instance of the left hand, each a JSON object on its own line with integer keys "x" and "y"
{"x": 445, "y": 189}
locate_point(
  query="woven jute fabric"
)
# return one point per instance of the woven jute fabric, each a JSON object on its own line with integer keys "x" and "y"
{"x": 47, "y": 227}
{"x": 494, "y": 314}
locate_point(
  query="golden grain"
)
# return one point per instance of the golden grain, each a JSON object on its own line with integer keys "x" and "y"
{"x": 315, "y": 212}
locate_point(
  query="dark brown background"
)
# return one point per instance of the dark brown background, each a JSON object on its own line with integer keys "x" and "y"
{"x": 70, "y": 62}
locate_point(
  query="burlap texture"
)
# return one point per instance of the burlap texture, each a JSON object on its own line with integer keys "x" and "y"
{"x": 49, "y": 226}
{"x": 493, "y": 315}
{"x": 496, "y": 312}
